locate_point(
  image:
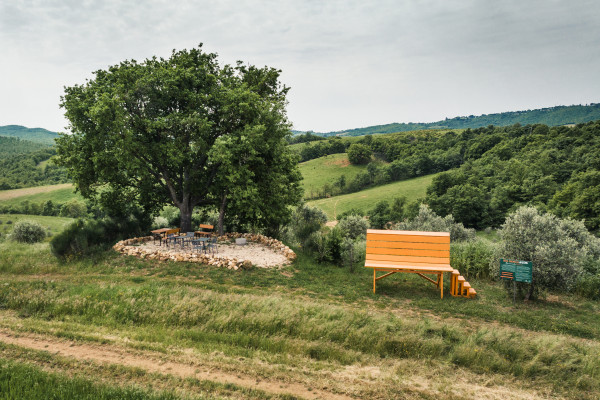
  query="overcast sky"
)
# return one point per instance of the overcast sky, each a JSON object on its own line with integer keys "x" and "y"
{"x": 349, "y": 63}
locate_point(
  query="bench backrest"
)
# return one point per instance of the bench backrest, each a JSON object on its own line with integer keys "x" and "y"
{"x": 207, "y": 227}
{"x": 410, "y": 248}
{"x": 172, "y": 231}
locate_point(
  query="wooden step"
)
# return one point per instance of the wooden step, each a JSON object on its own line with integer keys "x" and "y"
{"x": 472, "y": 293}
{"x": 454, "y": 283}
{"x": 465, "y": 289}
{"x": 460, "y": 282}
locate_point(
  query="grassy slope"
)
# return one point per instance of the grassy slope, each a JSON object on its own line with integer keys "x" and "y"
{"x": 53, "y": 224}
{"x": 364, "y": 200}
{"x": 328, "y": 169}
{"x": 315, "y": 325}
{"x": 39, "y": 194}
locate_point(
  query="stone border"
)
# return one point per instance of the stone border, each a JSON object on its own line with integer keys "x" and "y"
{"x": 128, "y": 247}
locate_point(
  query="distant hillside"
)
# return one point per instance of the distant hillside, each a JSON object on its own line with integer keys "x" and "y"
{"x": 551, "y": 116}
{"x": 11, "y": 146}
{"x": 38, "y": 135}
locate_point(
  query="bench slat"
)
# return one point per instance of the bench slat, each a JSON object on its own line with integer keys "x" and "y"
{"x": 408, "y": 252}
{"x": 408, "y": 267}
{"x": 406, "y": 233}
{"x": 387, "y": 257}
{"x": 408, "y": 238}
{"x": 407, "y": 245}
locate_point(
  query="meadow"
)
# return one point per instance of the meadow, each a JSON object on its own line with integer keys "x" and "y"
{"x": 365, "y": 200}
{"x": 146, "y": 329}
{"x": 327, "y": 170}
{"x": 53, "y": 225}
{"x": 60, "y": 193}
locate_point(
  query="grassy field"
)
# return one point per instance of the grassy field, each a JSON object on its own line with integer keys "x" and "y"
{"x": 328, "y": 169}
{"x": 57, "y": 193}
{"x": 147, "y": 329}
{"x": 52, "y": 224}
{"x": 364, "y": 200}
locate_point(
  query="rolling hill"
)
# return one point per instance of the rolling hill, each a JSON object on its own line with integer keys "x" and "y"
{"x": 365, "y": 200}
{"x": 38, "y": 135}
{"x": 551, "y": 116}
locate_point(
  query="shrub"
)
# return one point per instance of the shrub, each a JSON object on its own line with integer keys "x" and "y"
{"x": 160, "y": 222}
{"x": 475, "y": 258}
{"x": 588, "y": 282}
{"x": 305, "y": 221}
{"x": 73, "y": 209}
{"x": 85, "y": 236}
{"x": 354, "y": 227}
{"x": 428, "y": 221}
{"x": 333, "y": 243}
{"x": 379, "y": 216}
{"x": 359, "y": 153}
{"x": 317, "y": 243}
{"x": 353, "y": 252}
{"x": 352, "y": 211}
{"x": 28, "y": 232}
{"x": 559, "y": 249}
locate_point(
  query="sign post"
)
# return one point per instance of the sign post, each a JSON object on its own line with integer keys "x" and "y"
{"x": 516, "y": 271}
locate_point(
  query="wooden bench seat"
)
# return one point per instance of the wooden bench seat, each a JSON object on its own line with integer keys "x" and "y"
{"x": 409, "y": 251}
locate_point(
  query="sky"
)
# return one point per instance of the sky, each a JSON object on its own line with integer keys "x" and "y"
{"x": 349, "y": 64}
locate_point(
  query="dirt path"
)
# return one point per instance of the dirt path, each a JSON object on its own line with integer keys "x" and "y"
{"x": 151, "y": 362}
{"x": 14, "y": 193}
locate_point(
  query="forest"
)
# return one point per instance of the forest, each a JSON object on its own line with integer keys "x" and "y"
{"x": 487, "y": 172}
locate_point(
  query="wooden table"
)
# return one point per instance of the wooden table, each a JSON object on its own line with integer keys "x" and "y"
{"x": 159, "y": 233}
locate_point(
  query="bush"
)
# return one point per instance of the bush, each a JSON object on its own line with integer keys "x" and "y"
{"x": 588, "y": 283}
{"x": 353, "y": 227}
{"x": 352, "y": 211}
{"x": 73, "y": 209}
{"x": 160, "y": 222}
{"x": 428, "y": 221}
{"x": 28, "y": 232}
{"x": 379, "y": 216}
{"x": 475, "y": 258}
{"x": 85, "y": 236}
{"x": 353, "y": 252}
{"x": 359, "y": 153}
{"x": 306, "y": 220}
{"x": 559, "y": 249}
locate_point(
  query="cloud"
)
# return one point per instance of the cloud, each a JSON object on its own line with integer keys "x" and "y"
{"x": 349, "y": 63}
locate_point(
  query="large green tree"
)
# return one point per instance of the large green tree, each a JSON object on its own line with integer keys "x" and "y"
{"x": 183, "y": 131}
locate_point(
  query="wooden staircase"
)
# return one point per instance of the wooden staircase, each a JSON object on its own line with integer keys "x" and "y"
{"x": 460, "y": 287}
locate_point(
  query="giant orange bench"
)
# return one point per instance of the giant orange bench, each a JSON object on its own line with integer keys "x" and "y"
{"x": 421, "y": 253}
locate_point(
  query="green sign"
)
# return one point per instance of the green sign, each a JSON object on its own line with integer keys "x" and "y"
{"x": 518, "y": 271}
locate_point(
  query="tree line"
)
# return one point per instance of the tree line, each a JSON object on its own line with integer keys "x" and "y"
{"x": 22, "y": 170}
{"x": 554, "y": 169}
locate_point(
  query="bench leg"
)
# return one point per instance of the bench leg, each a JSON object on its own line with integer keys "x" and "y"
{"x": 441, "y": 279}
{"x": 374, "y": 279}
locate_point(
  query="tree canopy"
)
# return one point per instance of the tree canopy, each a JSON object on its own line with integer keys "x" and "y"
{"x": 184, "y": 131}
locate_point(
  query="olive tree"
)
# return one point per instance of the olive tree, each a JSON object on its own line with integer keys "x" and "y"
{"x": 183, "y": 131}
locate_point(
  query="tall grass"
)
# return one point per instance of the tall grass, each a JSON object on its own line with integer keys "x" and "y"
{"x": 241, "y": 324}
{"x": 23, "y": 382}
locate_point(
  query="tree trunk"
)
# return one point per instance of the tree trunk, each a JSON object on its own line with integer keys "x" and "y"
{"x": 185, "y": 211}
{"x": 529, "y": 294}
{"x": 222, "y": 214}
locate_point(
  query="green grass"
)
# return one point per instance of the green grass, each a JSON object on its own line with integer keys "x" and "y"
{"x": 22, "y": 382}
{"x": 306, "y": 322}
{"x": 412, "y": 189}
{"x": 52, "y": 224}
{"x": 327, "y": 170}
{"x": 57, "y": 193}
